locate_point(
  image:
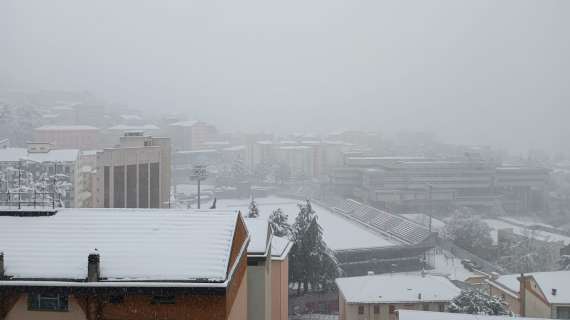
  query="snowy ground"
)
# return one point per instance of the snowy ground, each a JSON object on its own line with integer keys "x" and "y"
{"x": 338, "y": 232}
{"x": 445, "y": 263}
{"x": 538, "y": 234}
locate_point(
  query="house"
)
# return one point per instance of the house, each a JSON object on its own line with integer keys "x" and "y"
{"x": 123, "y": 264}
{"x": 377, "y": 297}
{"x": 430, "y": 315}
{"x": 280, "y": 248}
{"x": 539, "y": 294}
{"x": 259, "y": 269}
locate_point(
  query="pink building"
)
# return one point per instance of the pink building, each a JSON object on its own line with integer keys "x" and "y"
{"x": 68, "y": 137}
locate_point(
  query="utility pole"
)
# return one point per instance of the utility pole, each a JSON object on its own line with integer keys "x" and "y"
{"x": 19, "y": 183}
{"x": 199, "y": 173}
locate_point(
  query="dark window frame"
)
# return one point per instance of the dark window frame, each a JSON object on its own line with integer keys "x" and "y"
{"x": 47, "y": 302}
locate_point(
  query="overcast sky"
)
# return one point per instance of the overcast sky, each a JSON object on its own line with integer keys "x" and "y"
{"x": 474, "y": 71}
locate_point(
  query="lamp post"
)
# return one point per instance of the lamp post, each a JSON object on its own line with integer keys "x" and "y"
{"x": 199, "y": 173}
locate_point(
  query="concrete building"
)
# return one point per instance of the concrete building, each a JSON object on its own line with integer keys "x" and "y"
{"x": 535, "y": 295}
{"x": 417, "y": 184}
{"x": 123, "y": 264}
{"x": 190, "y": 135}
{"x": 299, "y": 159}
{"x": 135, "y": 174}
{"x": 377, "y": 297}
{"x": 81, "y": 137}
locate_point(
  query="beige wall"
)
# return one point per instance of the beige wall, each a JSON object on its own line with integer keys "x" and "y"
{"x": 512, "y": 302}
{"x": 350, "y": 311}
{"x": 20, "y": 312}
{"x": 239, "y": 308}
{"x": 535, "y": 304}
{"x": 280, "y": 289}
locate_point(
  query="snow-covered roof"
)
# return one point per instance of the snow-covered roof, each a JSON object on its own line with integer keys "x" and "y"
{"x": 430, "y": 315}
{"x": 280, "y": 248}
{"x": 497, "y": 225}
{"x": 559, "y": 280}
{"x": 134, "y": 244}
{"x": 131, "y": 117}
{"x": 58, "y": 155}
{"x": 187, "y": 123}
{"x": 66, "y": 128}
{"x": 260, "y": 236}
{"x": 125, "y": 127}
{"x": 397, "y": 288}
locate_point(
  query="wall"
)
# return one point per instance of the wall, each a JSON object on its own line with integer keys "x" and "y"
{"x": 280, "y": 289}
{"x": 20, "y": 312}
{"x": 259, "y": 290}
{"x": 535, "y": 304}
{"x": 350, "y": 311}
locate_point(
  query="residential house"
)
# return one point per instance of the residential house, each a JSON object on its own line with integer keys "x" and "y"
{"x": 539, "y": 294}
{"x": 377, "y": 297}
{"x": 123, "y": 264}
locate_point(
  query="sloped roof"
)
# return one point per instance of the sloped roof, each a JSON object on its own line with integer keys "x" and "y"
{"x": 559, "y": 280}
{"x": 397, "y": 288}
{"x": 280, "y": 248}
{"x": 134, "y": 244}
{"x": 260, "y": 235}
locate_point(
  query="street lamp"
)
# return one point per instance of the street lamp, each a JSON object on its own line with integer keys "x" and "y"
{"x": 199, "y": 173}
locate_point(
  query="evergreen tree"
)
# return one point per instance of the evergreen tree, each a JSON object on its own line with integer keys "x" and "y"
{"x": 564, "y": 262}
{"x": 469, "y": 232}
{"x": 313, "y": 265}
{"x": 238, "y": 170}
{"x": 253, "y": 210}
{"x": 279, "y": 223}
{"x": 473, "y": 301}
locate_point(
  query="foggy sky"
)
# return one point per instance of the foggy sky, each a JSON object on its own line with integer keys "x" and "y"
{"x": 480, "y": 71}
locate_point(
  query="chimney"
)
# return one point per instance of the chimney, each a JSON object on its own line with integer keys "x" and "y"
{"x": 1, "y": 265}
{"x": 554, "y": 291}
{"x": 93, "y": 268}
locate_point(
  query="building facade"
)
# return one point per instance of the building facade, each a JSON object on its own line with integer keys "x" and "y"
{"x": 135, "y": 174}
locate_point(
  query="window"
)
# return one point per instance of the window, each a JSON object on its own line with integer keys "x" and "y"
{"x": 425, "y": 306}
{"x": 163, "y": 300}
{"x": 48, "y": 302}
{"x": 360, "y": 309}
{"x": 441, "y": 307}
{"x": 392, "y": 309}
{"x": 376, "y": 309}
{"x": 563, "y": 312}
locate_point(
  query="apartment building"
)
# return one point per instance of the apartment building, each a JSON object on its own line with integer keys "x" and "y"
{"x": 377, "y": 297}
{"x": 134, "y": 174}
{"x": 81, "y": 137}
{"x": 123, "y": 264}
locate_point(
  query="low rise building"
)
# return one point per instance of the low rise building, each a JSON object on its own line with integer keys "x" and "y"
{"x": 539, "y": 294}
{"x": 377, "y": 297}
{"x": 280, "y": 248}
{"x": 259, "y": 269}
{"x": 123, "y": 264}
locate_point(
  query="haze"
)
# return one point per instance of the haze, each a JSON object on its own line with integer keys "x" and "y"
{"x": 482, "y": 72}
